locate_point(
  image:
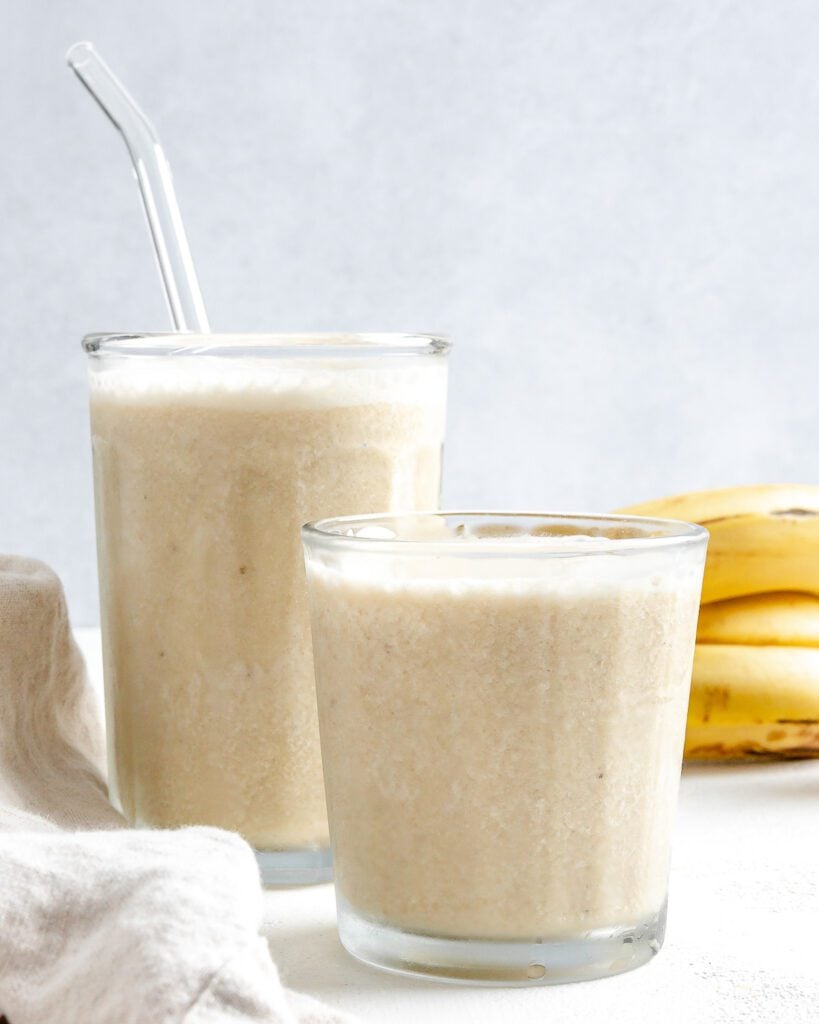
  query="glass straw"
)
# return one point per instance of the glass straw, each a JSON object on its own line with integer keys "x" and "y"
{"x": 153, "y": 175}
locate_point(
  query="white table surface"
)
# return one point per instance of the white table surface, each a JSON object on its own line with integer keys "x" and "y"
{"x": 743, "y": 930}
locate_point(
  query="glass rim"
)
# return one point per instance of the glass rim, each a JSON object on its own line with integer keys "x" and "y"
{"x": 233, "y": 344}
{"x": 326, "y": 533}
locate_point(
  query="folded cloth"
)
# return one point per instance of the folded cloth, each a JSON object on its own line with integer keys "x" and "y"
{"x": 100, "y": 923}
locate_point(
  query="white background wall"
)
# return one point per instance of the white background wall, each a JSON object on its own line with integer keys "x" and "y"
{"x": 611, "y": 205}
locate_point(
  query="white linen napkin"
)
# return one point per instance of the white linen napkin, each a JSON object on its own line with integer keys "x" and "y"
{"x": 100, "y": 923}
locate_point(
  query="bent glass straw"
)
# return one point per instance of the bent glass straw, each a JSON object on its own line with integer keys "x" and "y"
{"x": 153, "y": 175}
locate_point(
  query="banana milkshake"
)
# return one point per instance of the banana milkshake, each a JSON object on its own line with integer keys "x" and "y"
{"x": 208, "y": 457}
{"x": 502, "y": 711}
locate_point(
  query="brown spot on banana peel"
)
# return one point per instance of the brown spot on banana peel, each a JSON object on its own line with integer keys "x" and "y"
{"x": 740, "y": 752}
{"x": 794, "y": 513}
{"x": 714, "y": 697}
{"x": 788, "y": 754}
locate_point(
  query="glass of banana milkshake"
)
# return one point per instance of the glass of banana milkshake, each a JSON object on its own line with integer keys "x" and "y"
{"x": 210, "y": 451}
{"x": 502, "y": 703}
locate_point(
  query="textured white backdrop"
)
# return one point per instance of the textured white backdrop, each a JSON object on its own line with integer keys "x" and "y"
{"x": 612, "y": 207}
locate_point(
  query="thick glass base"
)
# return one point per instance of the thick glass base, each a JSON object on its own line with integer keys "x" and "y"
{"x": 595, "y": 954}
{"x": 308, "y": 866}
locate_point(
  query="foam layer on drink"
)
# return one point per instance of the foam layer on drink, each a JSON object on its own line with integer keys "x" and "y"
{"x": 527, "y": 565}
{"x": 295, "y": 383}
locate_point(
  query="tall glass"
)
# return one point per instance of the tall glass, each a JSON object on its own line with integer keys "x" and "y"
{"x": 209, "y": 454}
{"x": 502, "y": 702}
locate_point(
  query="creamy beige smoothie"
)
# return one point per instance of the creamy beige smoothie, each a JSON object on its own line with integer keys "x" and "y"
{"x": 205, "y": 468}
{"x": 502, "y": 737}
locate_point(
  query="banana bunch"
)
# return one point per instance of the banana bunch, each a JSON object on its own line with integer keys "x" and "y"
{"x": 755, "y": 688}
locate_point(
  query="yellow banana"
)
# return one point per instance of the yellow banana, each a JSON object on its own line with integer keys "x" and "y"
{"x": 751, "y": 701}
{"x": 755, "y": 554}
{"x": 755, "y": 688}
{"x": 785, "y": 619}
{"x": 705, "y": 506}
{"x": 762, "y": 538}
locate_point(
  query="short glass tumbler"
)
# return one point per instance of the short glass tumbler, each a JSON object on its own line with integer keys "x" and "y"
{"x": 502, "y": 702}
{"x": 209, "y": 454}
